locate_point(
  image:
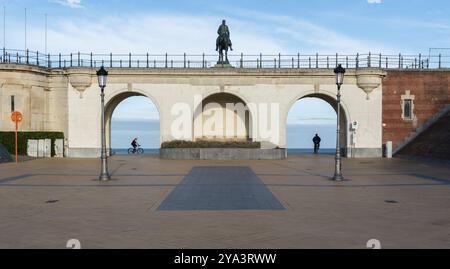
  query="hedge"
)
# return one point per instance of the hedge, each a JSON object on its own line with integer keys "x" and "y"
{"x": 210, "y": 144}
{"x": 7, "y": 139}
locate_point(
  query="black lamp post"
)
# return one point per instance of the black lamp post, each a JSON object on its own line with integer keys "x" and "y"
{"x": 102, "y": 76}
{"x": 339, "y": 71}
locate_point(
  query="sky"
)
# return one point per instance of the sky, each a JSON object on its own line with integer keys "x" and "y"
{"x": 287, "y": 26}
{"x": 257, "y": 26}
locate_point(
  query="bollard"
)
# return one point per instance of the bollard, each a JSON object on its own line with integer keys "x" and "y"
{"x": 389, "y": 149}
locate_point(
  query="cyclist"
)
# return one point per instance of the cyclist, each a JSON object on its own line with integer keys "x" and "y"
{"x": 135, "y": 144}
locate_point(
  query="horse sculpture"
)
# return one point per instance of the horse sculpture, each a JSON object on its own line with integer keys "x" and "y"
{"x": 223, "y": 43}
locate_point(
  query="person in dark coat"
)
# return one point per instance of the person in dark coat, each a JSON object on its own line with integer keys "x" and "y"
{"x": 316, "y": 140}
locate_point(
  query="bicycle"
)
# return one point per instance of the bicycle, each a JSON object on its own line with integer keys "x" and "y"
{"x": 138, "y": 150}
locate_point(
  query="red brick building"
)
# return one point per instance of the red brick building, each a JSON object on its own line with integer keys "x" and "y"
{"x": 410, "y": 99}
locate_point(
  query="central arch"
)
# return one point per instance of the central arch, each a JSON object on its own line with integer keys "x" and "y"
{"x": 224, "y": 117}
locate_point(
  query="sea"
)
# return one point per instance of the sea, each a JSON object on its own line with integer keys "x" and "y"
{"x": 299, "y": 136}
{"x": 122, "y": 151}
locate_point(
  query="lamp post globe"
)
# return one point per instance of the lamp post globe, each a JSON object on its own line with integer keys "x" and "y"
{"x": 102, "y": 76}
{"x": 339, "y": 72}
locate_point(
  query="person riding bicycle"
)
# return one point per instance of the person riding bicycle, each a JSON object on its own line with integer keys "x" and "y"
{"x": 135, "y": 144}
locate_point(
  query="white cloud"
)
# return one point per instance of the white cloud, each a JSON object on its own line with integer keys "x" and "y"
{"x": 374, "y": 1}
{"x": 69, "y": 3}
{"x": 176, "y": 33}
{"x": 310, "y": 37}
{"x": 156, "y": 33}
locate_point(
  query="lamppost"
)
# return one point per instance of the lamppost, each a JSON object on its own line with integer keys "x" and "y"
{"x": 102, "y": 75}
{"x": 339, "y": 71}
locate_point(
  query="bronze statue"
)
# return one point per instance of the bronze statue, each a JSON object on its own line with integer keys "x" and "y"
{"x": 223, "y": 42}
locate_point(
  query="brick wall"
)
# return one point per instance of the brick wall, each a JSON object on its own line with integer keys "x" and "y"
{"x": 431, "y": 91}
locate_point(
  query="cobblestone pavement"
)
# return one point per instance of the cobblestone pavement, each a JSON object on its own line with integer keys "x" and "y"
{"x": 153, "y": 203}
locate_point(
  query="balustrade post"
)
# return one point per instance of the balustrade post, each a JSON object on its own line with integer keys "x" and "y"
{"x": 357, "y": 60}
{"x": 317, "y": 60}
{"x": 129, "y": 60}
{"x": 279, "y": 60}
{"x": 242, "y": 60}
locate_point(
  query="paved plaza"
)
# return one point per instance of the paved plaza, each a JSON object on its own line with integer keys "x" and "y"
{"x": 153, "y": 203}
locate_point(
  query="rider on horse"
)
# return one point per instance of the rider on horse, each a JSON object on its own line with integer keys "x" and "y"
{"x": 224, "y": 34}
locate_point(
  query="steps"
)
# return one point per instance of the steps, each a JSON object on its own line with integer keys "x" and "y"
{"x": 432, "y": 139}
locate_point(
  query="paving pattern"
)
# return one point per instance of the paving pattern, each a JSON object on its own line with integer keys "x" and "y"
{"x": 153, "y": 203}
{"x": 221, "y": 188}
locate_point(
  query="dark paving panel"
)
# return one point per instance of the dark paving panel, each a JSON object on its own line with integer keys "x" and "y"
{"x": 221, "y": 188}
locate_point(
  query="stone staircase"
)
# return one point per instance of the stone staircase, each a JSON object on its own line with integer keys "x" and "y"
{"x": 432, "y": 139}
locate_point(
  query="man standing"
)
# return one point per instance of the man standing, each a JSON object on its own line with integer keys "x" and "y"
{"x": 316, "y": 140}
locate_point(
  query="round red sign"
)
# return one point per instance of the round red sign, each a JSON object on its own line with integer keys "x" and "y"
{"x": 16, "y": 116}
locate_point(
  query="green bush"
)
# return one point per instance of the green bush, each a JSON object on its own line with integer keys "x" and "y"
{"x": 210, "y": 144}
{"x": 7, "y": 139}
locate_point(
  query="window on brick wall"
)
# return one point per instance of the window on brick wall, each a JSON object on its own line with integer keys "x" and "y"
{"x": 407, "y": 109}
{"x": 407, "y": 104}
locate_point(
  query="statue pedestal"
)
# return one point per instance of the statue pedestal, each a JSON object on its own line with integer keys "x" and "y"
{"x": 223, "y": 65}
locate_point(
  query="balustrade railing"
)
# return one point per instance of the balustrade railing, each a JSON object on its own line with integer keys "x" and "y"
{"x": 273, "y": 61}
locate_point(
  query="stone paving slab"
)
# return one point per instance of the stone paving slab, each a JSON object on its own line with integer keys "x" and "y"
{"x": 221, "y": 188}
{"x": 319, "y": 213}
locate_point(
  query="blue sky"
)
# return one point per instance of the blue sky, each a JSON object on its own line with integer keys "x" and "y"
{"x": 390, "y": 26}
{"x": 285, "y": 26}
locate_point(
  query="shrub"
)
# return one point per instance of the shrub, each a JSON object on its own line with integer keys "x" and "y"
{"x": 8, "y": 140}
{"x": 210, "y": 144}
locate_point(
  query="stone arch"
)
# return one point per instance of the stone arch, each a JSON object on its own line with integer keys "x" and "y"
{"x": 242, "y": 121}
{"x": 344, "y": 120}
{"x": 112, "y": 104}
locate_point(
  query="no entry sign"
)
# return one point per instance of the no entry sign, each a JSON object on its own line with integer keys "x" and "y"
{"x": 16, "y": 117}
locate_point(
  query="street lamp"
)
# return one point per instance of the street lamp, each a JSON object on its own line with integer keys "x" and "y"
{"x": 102, "y": 76}
{"x": 339, "y": 71}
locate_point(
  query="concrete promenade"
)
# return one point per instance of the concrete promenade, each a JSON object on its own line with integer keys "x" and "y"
{"x": 153, "y": 203}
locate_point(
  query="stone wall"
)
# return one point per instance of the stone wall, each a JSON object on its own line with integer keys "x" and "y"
{"x": 68, "y": 100}
{"x": 430, "y": 91}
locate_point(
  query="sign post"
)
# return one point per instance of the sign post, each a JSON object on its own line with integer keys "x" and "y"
{"x": 16, "y": 117}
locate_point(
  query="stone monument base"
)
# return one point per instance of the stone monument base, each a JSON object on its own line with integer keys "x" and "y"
{"x": 222, "y": 154}
{"x": 223, "y": 65}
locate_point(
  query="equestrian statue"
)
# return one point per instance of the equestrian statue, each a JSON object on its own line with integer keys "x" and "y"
{"x": 223, "y": 42}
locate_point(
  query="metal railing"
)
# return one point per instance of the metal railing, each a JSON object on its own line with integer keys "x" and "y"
{"x": 293, "y": 61}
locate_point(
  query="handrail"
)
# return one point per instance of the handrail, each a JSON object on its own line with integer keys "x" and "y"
{"x": 292, "y": 61}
